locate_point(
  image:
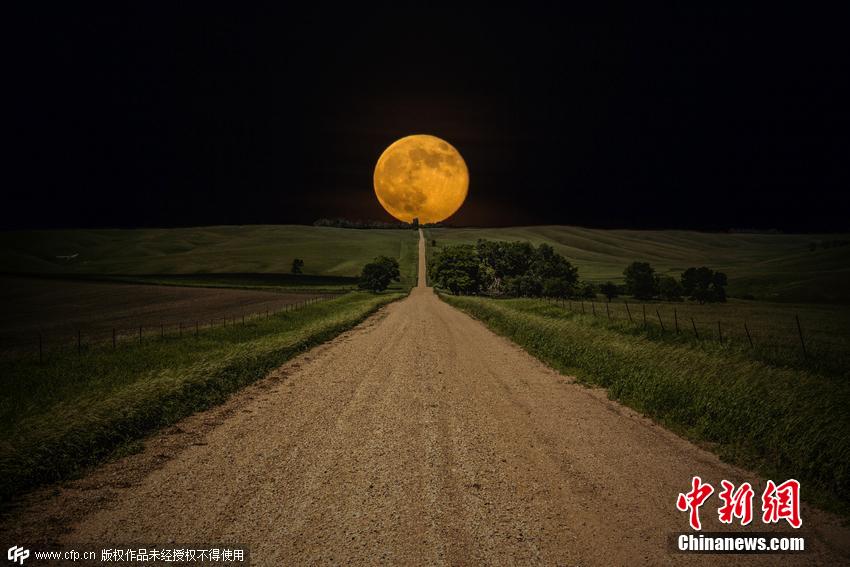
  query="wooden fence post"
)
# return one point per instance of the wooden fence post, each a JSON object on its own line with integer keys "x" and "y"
{"x": 695, "y": 328}
{"x": 140, "y": 334}
{"x": 659, "y": 318}
{"x": 181, "y": 328}
{"x": 800, "y": 332}
{"x": 749, "y": 338}
{"x": 161, "y": 331}
{"x": 629, "y": 311}
{"x": 582, "y": 307}
{"x": 113, "y": 337}
{"x": 644, "y": 315}
{"x": 719, "y": 333}
{"x": 676, "y": 320}
{"x": 196, "y": 328}
{"x": 608, "y": 310}
{"x": 593, "y": 306}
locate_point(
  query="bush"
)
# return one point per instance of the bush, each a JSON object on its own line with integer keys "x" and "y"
{"x": 297, "y": 266}
{"x": 377, "y": 275}
{"x": 704, "y": 285}
{"x": 640, "y": 280}
{"x": 586, "y": 291}
{"x": 609, "y": 290}
{"x": 669, "y": 288}
{"x": 557, "y": 287}
{"x": 523, "y": 286}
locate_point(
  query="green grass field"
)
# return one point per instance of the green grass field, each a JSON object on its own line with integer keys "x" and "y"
{"x": 72, "y": 411}
{"x": 782, "y": 421}
{"x": 773, "y": 267}
{"x": 226, "y": 256}
{"x": 772, "y": 327}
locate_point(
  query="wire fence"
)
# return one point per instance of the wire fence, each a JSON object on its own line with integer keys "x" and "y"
{"x": 784, "y": 330}
{"x": 41, "y": 344}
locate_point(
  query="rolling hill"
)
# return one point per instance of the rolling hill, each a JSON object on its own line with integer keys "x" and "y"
{"x": 773, "y": 267}
{"x": 215, "y": 250}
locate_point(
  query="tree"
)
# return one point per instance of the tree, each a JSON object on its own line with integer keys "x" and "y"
{"x": 297, "y": 266}
{"x": 415, "y": 222}
{"x": 506, "y": 258}
{"x": 640, "y": 280}
{"x": 546, "y": 264}
{"x": 524, "y": 285}
{"x": 704, "y": 285}
{"x": 377, "y": 275}
{"x": 557, "y": 277}
{"x": 346, "y": 223}
{"x": 459, "y": 270}
{"x": 586, "y": 291}
{"x": 610, "y": 290}
{"x": 669, "y": 288}
{"x": 510, "y": 268}
{"x": 718, "y": 286}
{"x": 520, "y": 269}
{"x": 557, "y": 287}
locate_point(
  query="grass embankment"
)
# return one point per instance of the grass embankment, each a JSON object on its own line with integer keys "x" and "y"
{"x": 59, "y": 417}
{"x": 245, "y": 256}
{"x": 776, "y": 267}
{"x": 771, "y": 327}
{"x": 783, "y": 422}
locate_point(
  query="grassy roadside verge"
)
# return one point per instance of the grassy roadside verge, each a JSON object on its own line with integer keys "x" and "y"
{"x": 64, "y": 415}
{"x": 782, "y": 422}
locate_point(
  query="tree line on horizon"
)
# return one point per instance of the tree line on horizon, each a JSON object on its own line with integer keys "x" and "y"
{"x": 374, "y": 224}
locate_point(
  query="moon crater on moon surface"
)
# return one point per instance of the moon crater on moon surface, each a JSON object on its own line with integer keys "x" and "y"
{"x": 422, "y": 177}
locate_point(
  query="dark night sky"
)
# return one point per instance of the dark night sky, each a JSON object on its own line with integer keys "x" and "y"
{"x": 692, "y": 119}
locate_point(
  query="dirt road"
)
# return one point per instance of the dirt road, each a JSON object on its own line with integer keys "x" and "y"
{"x": 419, "y": 438}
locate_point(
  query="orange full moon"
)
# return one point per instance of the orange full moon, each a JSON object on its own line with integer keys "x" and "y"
{"x": 421, "y": 177}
